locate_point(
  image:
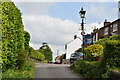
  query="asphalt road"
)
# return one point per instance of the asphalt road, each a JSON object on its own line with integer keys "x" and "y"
{"x": 54, "y": 71}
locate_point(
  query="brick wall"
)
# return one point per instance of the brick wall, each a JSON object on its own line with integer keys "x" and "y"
{"x": 101, "y": 32}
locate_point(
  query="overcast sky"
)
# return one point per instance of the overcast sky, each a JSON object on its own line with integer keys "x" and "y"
{"x": 57, "y": 22}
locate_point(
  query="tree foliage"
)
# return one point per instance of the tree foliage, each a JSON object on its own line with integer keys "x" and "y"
{"x": 36, "y": 54}
{"x": 46, "y": 51}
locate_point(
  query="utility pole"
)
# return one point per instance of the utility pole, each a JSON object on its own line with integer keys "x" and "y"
{"x": 57, "y": 52}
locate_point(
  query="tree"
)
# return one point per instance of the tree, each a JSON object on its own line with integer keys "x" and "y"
{"x": 36, "y": 54}
{"x": 46, "y": 51}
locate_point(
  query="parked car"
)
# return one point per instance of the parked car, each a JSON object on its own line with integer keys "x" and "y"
{"x": 76, "y": 56}
{"x": 57, "y": 61}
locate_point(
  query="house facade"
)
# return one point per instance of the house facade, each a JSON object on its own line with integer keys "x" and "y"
{"x": 109, "y": 29}
{"x": 72, "y": 46}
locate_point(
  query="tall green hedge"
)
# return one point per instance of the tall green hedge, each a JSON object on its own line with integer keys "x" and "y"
{"x": 12, "y": 34}
{"x": 112, "y": 53}
{"x": 88, "y": 69}
{"x": 104, "y": 40}
{"x": 27, "y": 39}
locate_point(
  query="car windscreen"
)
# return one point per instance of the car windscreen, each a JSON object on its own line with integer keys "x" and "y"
{"x": 78, "y": 54}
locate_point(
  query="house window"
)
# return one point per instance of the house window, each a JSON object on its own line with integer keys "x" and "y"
{"x": 106, "y": 31}
{"x": 114, "y": 27}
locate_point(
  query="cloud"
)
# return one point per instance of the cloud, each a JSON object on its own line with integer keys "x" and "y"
{"x": 54, "y": 31}
{"x": 89, "y": 27}
{"x": 34, "y": 8}
{"x": 44, "y": 28}
{"x": 102, "y": 11}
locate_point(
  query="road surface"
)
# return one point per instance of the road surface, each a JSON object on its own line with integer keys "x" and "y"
{"x": 54, "y": 71}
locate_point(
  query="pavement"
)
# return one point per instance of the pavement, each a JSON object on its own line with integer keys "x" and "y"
{"x": 61, "y": 71}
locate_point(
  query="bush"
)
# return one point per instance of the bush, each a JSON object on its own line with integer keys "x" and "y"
{"x": 15, "y": 74}
{"x": 112, "y": 53}
{"x": 25, "y": 73}
{"x": 115, "y": 37}
{"x": 100, "y": 69}
{"x": 104, "y": 40}
{"x": 21, "y": 59}
{"x": 88, "y": 69}
{"x": 93, "y": 52}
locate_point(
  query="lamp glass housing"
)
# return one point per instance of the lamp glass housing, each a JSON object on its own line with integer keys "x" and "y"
{"x": 82, "y": 13}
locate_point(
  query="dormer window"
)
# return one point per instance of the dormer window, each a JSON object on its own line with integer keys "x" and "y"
{"x": 114, "y": 27}
{"x": 106, "y": 31}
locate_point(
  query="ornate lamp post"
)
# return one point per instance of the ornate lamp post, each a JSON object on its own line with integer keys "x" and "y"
{"x": 82, "y": 15}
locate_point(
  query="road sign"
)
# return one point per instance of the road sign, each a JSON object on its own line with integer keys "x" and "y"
{"x": 83, "y": 33}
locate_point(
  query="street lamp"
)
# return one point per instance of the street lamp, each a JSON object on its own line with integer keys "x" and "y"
{"x": 82, "y": 15}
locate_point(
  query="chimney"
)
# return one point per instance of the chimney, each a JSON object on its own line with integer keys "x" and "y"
{"x": 106, "y": 22}
{"x": 75, "y": 36}
{"x": 95, "y": 30}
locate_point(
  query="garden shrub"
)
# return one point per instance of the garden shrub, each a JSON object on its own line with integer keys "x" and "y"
{"x": 112, "y": 53}
{"x": 115, "y": 37}
{"x": 104, "y": 40}
{"x": 26, "y": 73}
{"x": 93, "y": 52}
{"x": 21, "y": 60}
{"x": 88, "y": 69}
{"x": 100, "y": 69}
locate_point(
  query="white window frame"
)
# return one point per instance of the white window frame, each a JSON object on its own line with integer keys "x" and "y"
{"x": 115, "y": 27}
{"x": 106, "y": 31}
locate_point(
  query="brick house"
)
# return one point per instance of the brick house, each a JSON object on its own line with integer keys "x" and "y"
{"x": 109, "y": 29}
{"x": 95, "y": 34}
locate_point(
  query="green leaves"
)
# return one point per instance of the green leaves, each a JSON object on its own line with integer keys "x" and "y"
{"x": 36, "y": 54}
{"x": 13, "y": 38}
{"x": 112, "y": 53}
{"x": 46, "y": 51}
{"x": 93, "y": 52}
